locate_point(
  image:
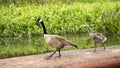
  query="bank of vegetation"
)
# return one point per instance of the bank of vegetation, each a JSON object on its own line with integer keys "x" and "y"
{"x": 19, "y": 20}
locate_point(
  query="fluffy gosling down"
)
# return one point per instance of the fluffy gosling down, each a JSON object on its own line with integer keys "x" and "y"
{"x": 56, "y": 41}
{"x": 96, "y": 37}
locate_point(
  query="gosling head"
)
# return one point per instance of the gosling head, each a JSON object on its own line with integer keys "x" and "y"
{"x": 86, "y": 26}
{"x": 39, "y": 20}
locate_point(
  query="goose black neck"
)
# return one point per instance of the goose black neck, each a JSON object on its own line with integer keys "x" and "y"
{"x": 44, "y": 29}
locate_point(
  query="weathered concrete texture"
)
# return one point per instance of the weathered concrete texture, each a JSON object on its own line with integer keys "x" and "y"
{"x": 82, "y": 58}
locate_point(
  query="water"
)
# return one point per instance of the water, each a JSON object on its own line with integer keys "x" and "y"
{"x": 19, "y": 46}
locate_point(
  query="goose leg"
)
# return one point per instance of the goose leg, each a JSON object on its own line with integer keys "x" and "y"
{"x": 53, "y": 53}
{"x": 94, "y": 46}
{"x": 103, "y": 46}
{"x": 59, "y": 53}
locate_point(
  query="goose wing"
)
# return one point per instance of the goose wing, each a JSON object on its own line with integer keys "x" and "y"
{"x": 64, "y": 41}
{"x": 98, "y": 37}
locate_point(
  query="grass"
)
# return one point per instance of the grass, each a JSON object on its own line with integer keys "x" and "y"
{"x": 19, "y": 2}
{"x": 59, "y": 18}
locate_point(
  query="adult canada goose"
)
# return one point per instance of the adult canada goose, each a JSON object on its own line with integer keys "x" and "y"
{"x": 55, "y": 41}
{"x": 96, "y": 37}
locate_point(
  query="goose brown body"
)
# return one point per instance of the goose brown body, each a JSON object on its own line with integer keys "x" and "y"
{"x": 98, "y": 37}
{"x": 57, "y": 41}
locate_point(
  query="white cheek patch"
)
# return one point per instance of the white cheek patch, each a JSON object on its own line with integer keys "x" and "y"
{"x": 40, "y": 20}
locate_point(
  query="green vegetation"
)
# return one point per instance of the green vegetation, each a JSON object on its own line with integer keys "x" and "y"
{"x": 59, "y": 18}
{"x": 17, "y": 18}
{"x": 19, "y": 2}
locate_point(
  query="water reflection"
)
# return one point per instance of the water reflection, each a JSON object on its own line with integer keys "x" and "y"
{"x": 16, "y": 46}
{"x": 77, "y": 38}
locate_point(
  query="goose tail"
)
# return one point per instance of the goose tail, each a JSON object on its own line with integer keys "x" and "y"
{"x": 104, "y": 39}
